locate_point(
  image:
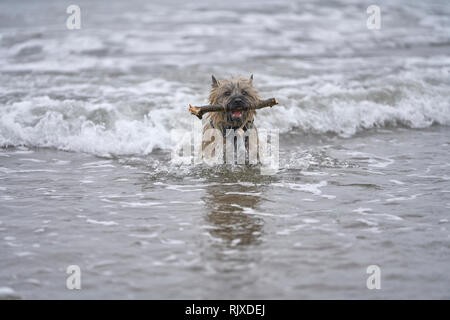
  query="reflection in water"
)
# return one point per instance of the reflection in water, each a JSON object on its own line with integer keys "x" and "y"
{"x": 229, "y": 206}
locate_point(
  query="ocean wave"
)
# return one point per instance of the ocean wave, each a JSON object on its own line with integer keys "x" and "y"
{"x": 113, "y": 129}
{"x": 112, "y": 90}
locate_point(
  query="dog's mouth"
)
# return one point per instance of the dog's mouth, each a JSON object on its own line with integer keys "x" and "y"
{"x": 236, "y": 115}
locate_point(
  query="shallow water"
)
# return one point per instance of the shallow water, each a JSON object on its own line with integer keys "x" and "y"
{"x": 86, "y": 177}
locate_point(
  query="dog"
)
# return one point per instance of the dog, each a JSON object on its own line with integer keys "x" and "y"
{"x": 236, "y": 92}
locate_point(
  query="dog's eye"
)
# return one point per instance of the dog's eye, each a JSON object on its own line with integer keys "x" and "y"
{"x": 244, "y": 93}
{"x": 227, "y": 93}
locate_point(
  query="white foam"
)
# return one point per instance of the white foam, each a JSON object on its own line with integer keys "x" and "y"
{"x": 8, "y": 293}
{"x": 104, "y": 223}
{"x": 172, "y": 241}
{"x": 412, "y": 197}
{"x": 23, "y": 254}
{"x": 397, "y": 182}
{"x": 367, "y": 212}
{"x": 313, "y": 188}
{"x": 309, "y": 220}
{"x": 254, "y": 194}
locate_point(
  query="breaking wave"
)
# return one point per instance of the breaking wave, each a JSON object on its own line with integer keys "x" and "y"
{"x": 106, "y": 129}
{"x": 125, "y": 91}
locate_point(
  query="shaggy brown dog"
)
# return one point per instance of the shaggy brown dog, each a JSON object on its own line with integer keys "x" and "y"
{"x": 237, "y": 92}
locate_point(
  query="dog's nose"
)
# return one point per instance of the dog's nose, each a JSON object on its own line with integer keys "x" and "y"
{"x": 238, "y": 102}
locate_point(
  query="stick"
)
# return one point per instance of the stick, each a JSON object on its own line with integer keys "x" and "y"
{"x": 200, "y": 111}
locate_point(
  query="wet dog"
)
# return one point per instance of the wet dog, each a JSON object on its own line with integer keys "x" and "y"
{"x": 231, "y": 126}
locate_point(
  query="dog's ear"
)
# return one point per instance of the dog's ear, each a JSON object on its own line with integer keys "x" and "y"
{"x": 215, "y": 83}
{"x": 251, "y": 80}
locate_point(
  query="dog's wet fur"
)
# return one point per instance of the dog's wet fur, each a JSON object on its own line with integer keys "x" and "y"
{"x": 236, "y": 92}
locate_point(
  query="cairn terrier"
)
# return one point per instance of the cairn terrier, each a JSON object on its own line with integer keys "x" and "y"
{"x": 236, "y": 92}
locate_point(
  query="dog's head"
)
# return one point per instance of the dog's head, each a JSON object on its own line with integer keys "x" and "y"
{"x": 237, "y": 92}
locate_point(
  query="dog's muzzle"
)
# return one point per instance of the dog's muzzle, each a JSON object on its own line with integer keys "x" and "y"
{"x": 236, "y": 115}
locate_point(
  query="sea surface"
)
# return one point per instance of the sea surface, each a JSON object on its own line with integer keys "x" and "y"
{"x": 89, "y": 119}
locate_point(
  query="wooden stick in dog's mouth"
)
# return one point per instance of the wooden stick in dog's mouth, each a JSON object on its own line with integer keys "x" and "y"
{"x": 200, "y": 111}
